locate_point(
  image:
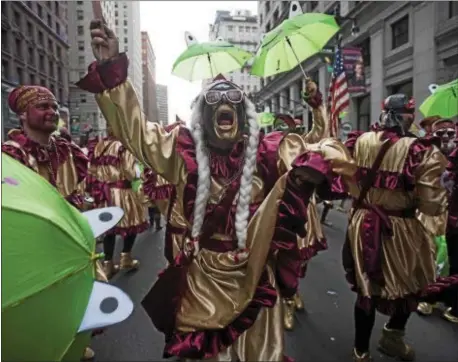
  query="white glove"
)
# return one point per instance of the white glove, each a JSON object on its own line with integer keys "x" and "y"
{"x": 447, "y": 181}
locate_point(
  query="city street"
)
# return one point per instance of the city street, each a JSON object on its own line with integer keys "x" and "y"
{"x": 323, "y": 333}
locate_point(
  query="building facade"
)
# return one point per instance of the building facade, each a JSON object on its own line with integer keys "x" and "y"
{"x": 83, "y": 107}
{"x": 241, "y": 29}
{"x": 149, "y": 79}
{"x": 34, "y": 50}
{"x": 162, "y": 104}
{"x": 127, "y": 28}
{"x": 406, "y": 46}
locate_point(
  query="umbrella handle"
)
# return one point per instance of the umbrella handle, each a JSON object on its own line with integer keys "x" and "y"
{"x": 297, "y": 58}
{"x": 210, "y": 62}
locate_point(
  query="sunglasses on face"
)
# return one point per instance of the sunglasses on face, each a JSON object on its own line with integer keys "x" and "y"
{"x": 234, "y": 96}
{"x": 448, "y": 133}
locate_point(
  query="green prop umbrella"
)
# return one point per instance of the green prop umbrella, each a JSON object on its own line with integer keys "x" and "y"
{"x": 266, "y": 119}
{"x": 442, "y": 102}
{"x": 50, "y": 299}
{"x": 206, "y": 60}
{"x": 293, "y": 41}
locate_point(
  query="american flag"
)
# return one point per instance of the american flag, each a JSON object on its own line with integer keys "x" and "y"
{"x": 338, "y": 96}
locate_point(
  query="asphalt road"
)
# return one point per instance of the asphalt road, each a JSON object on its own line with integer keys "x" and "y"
{"x": 323, "y": 333}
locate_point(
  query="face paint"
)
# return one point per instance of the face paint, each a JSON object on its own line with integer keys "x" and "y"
{"x": 223, "y": 114}
{"x": 447, "y": 137}
{"x": 42, "y": 116}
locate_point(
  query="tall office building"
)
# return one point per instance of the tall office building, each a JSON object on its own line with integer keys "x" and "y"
{"x": 127, "y": 28}
{"x": 34, "y": 50}
{"x": 241, "y": 29}
{"x": 162, "y": 104}
{"x": 149, "y": 79}
{"x": 404, "y": 48}
{"x": 83, "y": 107}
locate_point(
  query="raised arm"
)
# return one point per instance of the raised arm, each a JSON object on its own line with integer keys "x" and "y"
{"x": 116, "y": 98}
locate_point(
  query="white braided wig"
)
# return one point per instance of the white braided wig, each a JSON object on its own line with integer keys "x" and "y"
{"x": 204, "y": 176}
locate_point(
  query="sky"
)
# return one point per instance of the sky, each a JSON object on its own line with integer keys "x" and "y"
{"x": 166, "y": 23}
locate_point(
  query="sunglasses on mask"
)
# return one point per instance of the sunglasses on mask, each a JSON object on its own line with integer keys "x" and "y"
{"x": 449, "y": 133}
{"x": 233, "y": 96}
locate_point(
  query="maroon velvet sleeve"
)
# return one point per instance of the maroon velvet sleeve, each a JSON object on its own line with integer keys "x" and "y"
{"x": 80, "y": 160}
{"x": 14, "y": 152}
{"x": 105, "y": 76}
{"x": 292, "y": 216}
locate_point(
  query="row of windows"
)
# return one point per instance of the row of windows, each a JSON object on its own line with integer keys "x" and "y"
{"x": 243, "y": 29}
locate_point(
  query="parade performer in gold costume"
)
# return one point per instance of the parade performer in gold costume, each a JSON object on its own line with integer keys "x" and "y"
{"x": 388, "y": 255}
{"x": 315, "y": 240}
{"x": 443, "y": 132}
{"x": 111, "y": 172}
{"x": 241, "y": 200}
{"x": 52, "y": 155}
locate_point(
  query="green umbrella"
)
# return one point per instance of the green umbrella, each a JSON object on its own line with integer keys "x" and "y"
{"x": 50, "y": 299}
{"x": 206, "y": 60}
{"x": 293, "y": 41}
{"x": 266, "y": 119}
{"x": 443, "y": 101}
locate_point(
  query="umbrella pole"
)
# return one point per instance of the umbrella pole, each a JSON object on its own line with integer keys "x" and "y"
{"x": 210, "y": 62}
{"x": 298, "y": 61}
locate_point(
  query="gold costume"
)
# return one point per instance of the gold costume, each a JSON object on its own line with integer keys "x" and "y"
{"x": 111, "y": 172}
{"x": 220, "y": 286}
{"x": 408, "y": 260}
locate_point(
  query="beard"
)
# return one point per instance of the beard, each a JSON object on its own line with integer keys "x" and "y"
{"x": 223, "y": 124}
{"x": 41, "y": 122}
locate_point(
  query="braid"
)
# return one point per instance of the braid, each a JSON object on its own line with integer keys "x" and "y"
{"x": 244, "y": 199}
{"x": 203, "y": 169}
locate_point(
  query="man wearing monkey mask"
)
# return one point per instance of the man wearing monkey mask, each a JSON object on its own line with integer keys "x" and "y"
{"x": 241, "y": 201}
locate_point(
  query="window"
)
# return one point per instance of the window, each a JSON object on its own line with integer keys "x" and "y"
{"x": 80, "y": 30}
{"x": 56, "y": 9}
{"x": 49, "y": 20}
{"x": 32, "y": 79}
{"x": 247, "y": 29}
{"x": 80, "y": 14}
{"x": 58, "y": 28}
{"x": 43, "y": 82}
{"x": 31, "y": 55}
{"x": 81, "y": 75}
{"x": 61, "y": 95}
{"x": 52, "y": 89}
{"x": 126, "y": 49}
{"x": 404, "y": 88}
{"x": 59, "y": 52}
{"x": 39, "y": 11}
{"x": 230, "y": 28}
{"x": 4, "y": 12}
{"x": 42, "y": 62}
{"x": 60, "y": 75}
{"x": 116, "y": 22}
{"x": 81, "y": 45}
{"x": 363, "y": 109}
{"x": 126, "y": 40}
{"x": 5, "y": 44}
{"x": 40, "y": 38}
{"x": 17, "y": 18}
{"x": 83, "y": 98}
{"x": 20, "y": 75}
{"x": 79, "y": 3}
{"x": 29, "y": 4}
{"x": 400, "y": 32}
{"x": 116, "y": 13}
{"x": 19, "y": 47}
{"x": 241, "y": 29}
{"x": 366, "y": 51}
{"x": 126, "y": 30}
{"x": 29, "y": 28}
{"x": 313, "y": 5}
{"x": 51, "y": 68}
{"x": 125, "y": 22}
{"x": 452, "y": 9}
{"x": 81, "y": 60}
{"x": 50, "y": 45}
{"x": 5, "y": 69}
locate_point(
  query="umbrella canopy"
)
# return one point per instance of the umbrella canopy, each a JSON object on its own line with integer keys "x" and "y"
{"x": 205, "y": 60}
{"x": 293, "y": 41}
{"x": 48, "y": 257}
{"x": 266, "y": 119}
{"x": 442, "y": 102}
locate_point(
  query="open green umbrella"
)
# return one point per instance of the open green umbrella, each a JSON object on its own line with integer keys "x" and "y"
{"x": 206, "y": 60}
{"x": 293, "y": 41}
{"x": 50, "y": 299}
{"x": 266, "y": 119}
{"x": 442, "y": 102}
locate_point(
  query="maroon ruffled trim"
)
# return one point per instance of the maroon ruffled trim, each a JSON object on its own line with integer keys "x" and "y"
{"x": 91, "y": 144}
{"x": 131, "y": 230}
{"x": 105, "y": 76}
{"x": 208, "y": 343}
{"x": 352, "y": 138}
{"x": 107, "y": 160}
{"x": 42, "y": 155}
{"x": 312, "y": 250}
{"x": 163, "y": 192}
{"x": 292, "y": 216}
{"x": 433, "y": 293}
